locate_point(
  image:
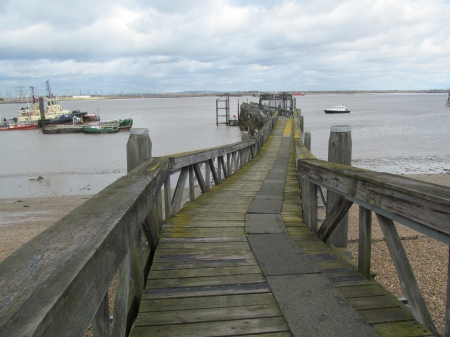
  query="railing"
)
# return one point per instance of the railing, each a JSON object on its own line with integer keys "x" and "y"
{"x": 418, "y": 205}
{"x": 57, "y": 284}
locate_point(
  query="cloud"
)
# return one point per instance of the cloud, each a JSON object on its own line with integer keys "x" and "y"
{"x": 226, "y": 44}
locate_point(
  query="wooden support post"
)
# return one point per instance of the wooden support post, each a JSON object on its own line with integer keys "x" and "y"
{"x": 179, "y": 190}
{"x": 214, "y": 172}
{"x": 365, "y": 241}
{"x": 167, "y": 197}
{"x": 340, "y": 152}
{"x": 405, "y": 274}
{"x": 199, "y": 177}
{"x": 139, "y": 148}
{"x": 100, "y": 324}
{"x": 119, "y": 327}
{"x": 207, "y": 176}
{"x": 191, "y": 184}
{"x": 219, "y": 169}
{"x": 302, "y": 127}
{"x": 229, "y": 164}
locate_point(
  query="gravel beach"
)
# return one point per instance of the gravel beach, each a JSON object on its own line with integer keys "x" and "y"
{"x": 22, "y": 219}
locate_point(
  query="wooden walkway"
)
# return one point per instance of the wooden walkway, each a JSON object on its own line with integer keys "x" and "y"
{"x": 207, "y": 281}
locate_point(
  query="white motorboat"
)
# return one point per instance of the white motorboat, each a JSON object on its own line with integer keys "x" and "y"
{"x": 337, "y": 109}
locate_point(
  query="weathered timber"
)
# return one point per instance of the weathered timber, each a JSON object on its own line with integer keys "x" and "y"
{"x": 90, "y": 251}
{"x": 340, "y": 152}
{"x": 405, "y": 273}
{"x": 422, "y": 206}
{"x": 365, "y": 241}
{"x": 337, "y": 212}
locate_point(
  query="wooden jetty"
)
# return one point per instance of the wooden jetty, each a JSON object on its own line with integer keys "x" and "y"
{"x": 246, "y": 257}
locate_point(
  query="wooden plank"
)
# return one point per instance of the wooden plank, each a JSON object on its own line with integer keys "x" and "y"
{"x": 206, "y": 302}
{"x": 227, "y": 328}
{"x": 385, "y": 315}
{"x": 219, "y": 271}
{"x": 208, "y": 315}
{"x": 409, "y": 328}
{"x": 373, "y": 302}
{"x": 366, "y": 290}
{"x": 203, "y": 232}
{"x": 157, "y": 265}
{"x": 215, "y": 290}
{"x": 180, "y": 282}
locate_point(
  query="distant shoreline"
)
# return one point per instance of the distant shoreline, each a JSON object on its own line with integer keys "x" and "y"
{"x": 235, "y": 94}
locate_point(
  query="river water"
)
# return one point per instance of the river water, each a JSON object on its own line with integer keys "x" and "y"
{"x": 396, "y": 133}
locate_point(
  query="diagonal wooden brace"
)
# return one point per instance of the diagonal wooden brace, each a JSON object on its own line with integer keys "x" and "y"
{"x": 338, "y": 211}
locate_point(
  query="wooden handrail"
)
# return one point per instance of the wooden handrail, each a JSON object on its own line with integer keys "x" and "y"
{"x": 419, "y": 205}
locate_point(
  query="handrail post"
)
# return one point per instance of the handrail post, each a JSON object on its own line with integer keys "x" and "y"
{"x": 339, "y": 152}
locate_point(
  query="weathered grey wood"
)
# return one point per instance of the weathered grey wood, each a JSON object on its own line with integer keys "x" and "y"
{"x": 100, "y": 324}
{"x": 64, "y": 262}
{"x": 307, "y": 140}
{"x": 167, "y": 197}
{"x": 199, "y": 177}
{"x": 219, "y": 169}
{"x": 191, "y": 184}
{"x": 322, "y": 198}
{"x": 337, "y": 212}
{"x": 313, "y": 202}
{"x": 340, "y": 152}
{"x": 179, "y": 190}
{"x": 447, "y": 302}
{"x": 207, "y": 176}
{"x": 306, "y": 202}
{"x": 365, "y": 241}
{"x": 214, "y": 172}
{"x": 422, "y": 206}
{"x": 223, "y": 166}
{"x": 405, "y": 273}
{"x": 119, "y": 325}
{"x": 230, "y": 164}
{"x": 139, "y": 148}
{"x": 302, "y": 127}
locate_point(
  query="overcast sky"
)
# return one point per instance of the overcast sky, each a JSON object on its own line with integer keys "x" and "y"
{"x": 131, "y": 46}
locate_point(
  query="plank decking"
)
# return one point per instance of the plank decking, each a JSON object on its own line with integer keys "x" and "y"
{"x": 206, "y": 281}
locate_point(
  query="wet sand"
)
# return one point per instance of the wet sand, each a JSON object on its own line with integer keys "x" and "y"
{"x": 23, "y": 218}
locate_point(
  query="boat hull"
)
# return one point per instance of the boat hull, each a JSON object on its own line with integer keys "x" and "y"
{"x": 100, "y": 130}
{"x": 331, "y": 111}
{"x": 19, "y": 127}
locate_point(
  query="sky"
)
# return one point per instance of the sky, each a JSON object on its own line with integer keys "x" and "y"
{"x": 161, "y": 46}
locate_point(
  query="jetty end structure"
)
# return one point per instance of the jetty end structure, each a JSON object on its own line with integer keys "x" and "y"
{"x": 247, "y": 254}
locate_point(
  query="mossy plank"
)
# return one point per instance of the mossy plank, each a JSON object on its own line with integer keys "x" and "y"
{"x": 179, "y": 282}
{"x": 217, "y": 271}
{"x": 206, "y": 302}
{"x": 409, "y": 328}
{"x": 227, "y": 328}
{"x": 373, "y": 302}
{"x": 160, "y": 265}
{"x": 208, "y": 315}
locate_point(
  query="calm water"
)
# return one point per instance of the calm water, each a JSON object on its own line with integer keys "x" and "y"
{"x": 397, "y": 133}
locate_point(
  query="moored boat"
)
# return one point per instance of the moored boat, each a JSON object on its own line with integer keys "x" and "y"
{"x": 337, "y": 109}
{"x": 12, "y": 126}
{"x": 101, "y": 128}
